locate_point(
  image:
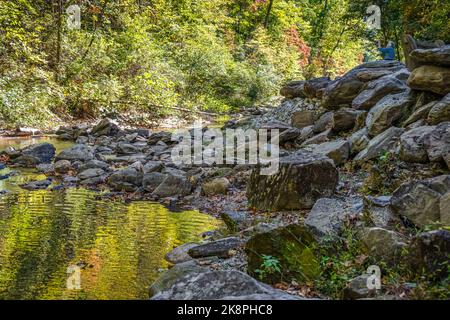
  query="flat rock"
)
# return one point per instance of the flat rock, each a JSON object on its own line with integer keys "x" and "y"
{"x": 220, "y": 248}
{"x": 220, "y": 285}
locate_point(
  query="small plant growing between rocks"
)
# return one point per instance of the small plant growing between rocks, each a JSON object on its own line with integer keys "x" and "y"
{"x": 269, "y": 266}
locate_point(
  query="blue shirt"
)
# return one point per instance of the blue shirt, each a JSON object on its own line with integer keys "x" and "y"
{"x": 388, "y": 53}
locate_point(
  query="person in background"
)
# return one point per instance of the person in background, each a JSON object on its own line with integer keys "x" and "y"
{"x": 388, "y": 52}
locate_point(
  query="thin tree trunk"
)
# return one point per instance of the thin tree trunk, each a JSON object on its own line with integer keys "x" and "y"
{"x": 267, "y": 18}
{"x": 59, "y": 7}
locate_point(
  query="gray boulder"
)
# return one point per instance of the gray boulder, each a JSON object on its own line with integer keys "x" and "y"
{"x": 328, "y": 215}
{"x": 303, "y": 118}
{"x": 320, "y": 138}
{"x": 302, "y": 178}
{"x": 435, "y": 56}
{"x": 376, "y": 90}
{"x": 378, "y": 211}
{"x": 345, "y": 119}
{"x": 33, "y": 155}
{"x": 384, "y": 142}
{"x": 338, "y": 150}
{"x": 384, "y": 244}
{"x": 357, "y": 289}
{"x": 437, "y": 142}
{"x": 293, "y": 89}
{"x": 419, "y": 114}
{"x": 429, "y": 254}
{"x": 324, "y": 122}
{"x": 387, "y": 111}
{"x": 62, "y": 166}
{"x": 173, "y": 185}
{"x": 314, "y": 88}
{"x": 78, "y": 152}
{"x": 128, "y": 179}
{"x": 106, "y": 127}
{"x": 440, "y": 111}
{"x": 152, "y": 180}
{"x": 431, "y": 78}
{"x": 419, "y": 201}
{"x": 343, "y": 91}
{"x": 412, "y": 144}
{"x": 220, "y": 285}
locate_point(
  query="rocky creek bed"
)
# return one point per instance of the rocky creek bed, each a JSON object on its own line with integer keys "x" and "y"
{"x": 363, "y": 181}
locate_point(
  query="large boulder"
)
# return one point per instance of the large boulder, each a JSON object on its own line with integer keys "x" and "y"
{"x": 376, "y": 90}
{"x": 128, "y": 179}
{"x": 382, "y": 143}
{"x": 293, "y": 89}
{"x": 324, "y": 122}
{"x": 314, "y": 88}
{"x": 440, "y": 111}
{"x": 387, "y": 111}
{"x": 345, "y": 119}
{"x": 215, "y": 285}
{"x": 437, "y": 142}
{"x": 106, "y": 127}
{"x": 420, "y": 113}
{"x": 152, "y": 180}
{"x": 384, "y": 244}
{"x": 302, "y": 178}
{"x": 328, "y": 215}
{"x": 303, "y": 118}
{"x": 419, "y": 201}
{"x": 292, "y": 246}
{"x": 338, "y": 150}
{"x": 412, "y": 145}
{"x": 78, "y": 152}
{"x": 343, "y": 91}
{"x": 431, "y": 78}
{"x": 429, "y": 254}
{"x": 435, "y": 56}
{"x": 36, "y": 154}
{"x": 173, "y": 185}
{"x": 166, "y": 280}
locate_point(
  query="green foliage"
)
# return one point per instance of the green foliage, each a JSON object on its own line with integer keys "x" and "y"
{"x": 340, "y": 261}
{"x": 207, "y": 55}
{"x": 270, "y": 266}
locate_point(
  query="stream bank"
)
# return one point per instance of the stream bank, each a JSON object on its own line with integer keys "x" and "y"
{"x": 363, "y": 187}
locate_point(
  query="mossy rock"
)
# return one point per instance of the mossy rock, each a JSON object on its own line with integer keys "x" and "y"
{"x": 293, "y": 246}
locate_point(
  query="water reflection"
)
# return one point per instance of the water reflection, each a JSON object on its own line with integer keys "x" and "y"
{"x": 118, "y": 247}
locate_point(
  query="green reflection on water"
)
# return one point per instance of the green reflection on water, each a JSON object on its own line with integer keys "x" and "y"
{"x": 121, "y": 246}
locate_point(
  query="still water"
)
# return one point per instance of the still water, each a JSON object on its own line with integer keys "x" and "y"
{"x": 117, "y": 249}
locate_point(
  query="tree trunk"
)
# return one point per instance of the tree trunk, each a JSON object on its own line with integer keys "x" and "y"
{"x": 59, "y": 8}
{"x": 267, "y": 18}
